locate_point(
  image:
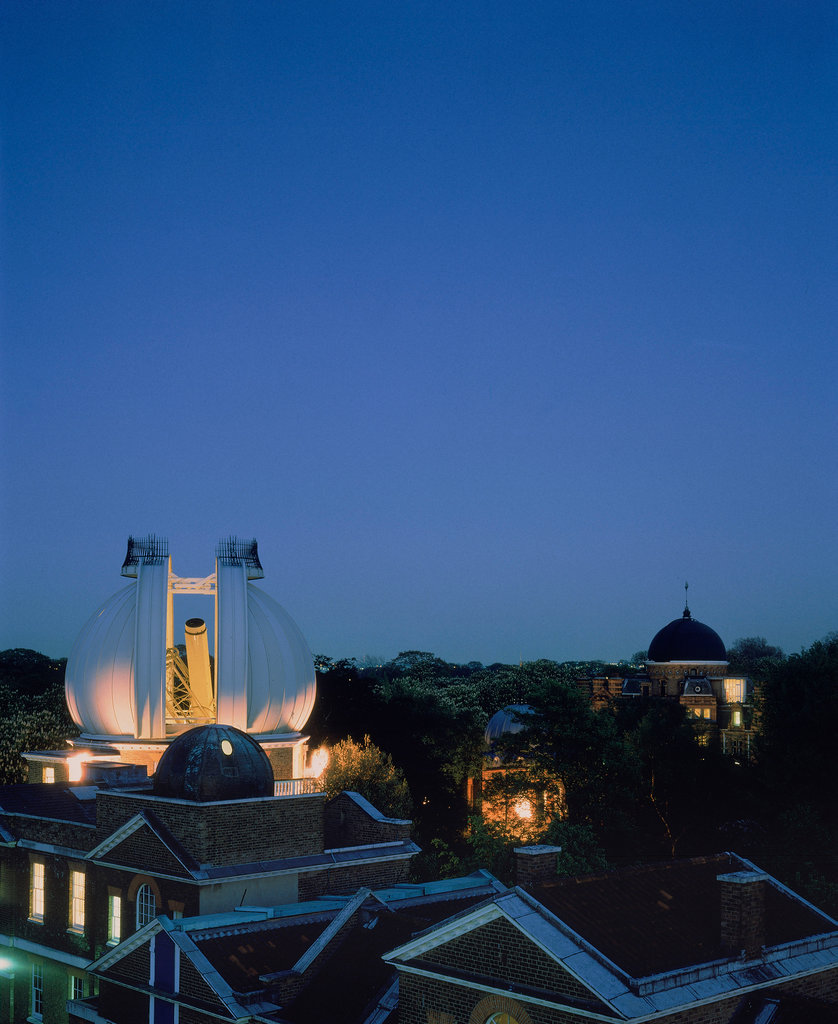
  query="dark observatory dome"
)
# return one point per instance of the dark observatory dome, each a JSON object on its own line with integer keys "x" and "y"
{"x": 687, "y": 639}
{"x": 214, "y": 762}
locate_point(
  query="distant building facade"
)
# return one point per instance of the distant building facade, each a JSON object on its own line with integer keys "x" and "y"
{"x": 687, "y": 663}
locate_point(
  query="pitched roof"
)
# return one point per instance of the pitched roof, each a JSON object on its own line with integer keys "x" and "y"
{"x": 660, "y": 917}
{"x": 661, "y": 905}
{"x": 357, "y": 974}
{"x": 169, "y": 857}
{"x": 241, "y": 954}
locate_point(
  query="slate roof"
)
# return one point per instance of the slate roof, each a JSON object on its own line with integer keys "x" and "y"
{"x": 241, "y": 953}
{"x": 596, "y": 928}
{"x": 242, "y": 957}
{"x": 357, "y": 974}
{"x": 660, "y": 917}
{"x": 55, "y": 801}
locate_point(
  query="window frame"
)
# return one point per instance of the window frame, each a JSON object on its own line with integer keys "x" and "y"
{"x": 146, "y": 900}
{"x": 37, "y": 893}
{"x": 36, "y": 993}
{"x": 77, "y": 901}
{"x": 114, "y": 918}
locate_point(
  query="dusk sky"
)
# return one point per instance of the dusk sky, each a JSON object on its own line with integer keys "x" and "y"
{"x": 492, "y": 322}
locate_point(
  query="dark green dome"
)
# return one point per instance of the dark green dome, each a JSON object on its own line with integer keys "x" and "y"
{"x": 214, "y": 762}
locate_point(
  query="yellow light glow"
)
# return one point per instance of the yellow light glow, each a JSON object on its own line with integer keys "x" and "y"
{"x": 227, "y": 747}
{"x": 319, "y": 762}
{"x": 523, "y": 809}
{"x": 74, "y": 766}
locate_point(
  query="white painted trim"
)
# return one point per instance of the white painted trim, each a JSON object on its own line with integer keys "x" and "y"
{"x": 735, "y": 991}
{"x": 128, "y": 945}
{"x": 330, "y": 931}
{"x": 583, "y": 947}
{"x": 47, "y": 952}
{"x": 126, "y": 829}
{"x": 446, "y": 933}
{"x": 507, "y": 993}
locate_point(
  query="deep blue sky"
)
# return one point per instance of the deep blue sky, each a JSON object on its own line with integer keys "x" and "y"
{"x": 492, "y": 322}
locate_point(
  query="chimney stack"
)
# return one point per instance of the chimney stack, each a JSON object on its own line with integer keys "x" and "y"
{"x": 743, "y": 912}
{"x": 536, "y": 864}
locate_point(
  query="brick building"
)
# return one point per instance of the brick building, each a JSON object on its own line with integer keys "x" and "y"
{"x": 687, "y": 663}
{"x": 84, "y": 867}
{"x": 317, "y": 961}
{"x": 176, "y": 865}
{"x": 705, "y": 941}
{"x": 186, "y": 793}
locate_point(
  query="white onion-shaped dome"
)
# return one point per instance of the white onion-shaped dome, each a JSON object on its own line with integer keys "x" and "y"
{"x": 99, "y": 679}
{"x": 279, "y": 685}
{"x": 281, "y": 680}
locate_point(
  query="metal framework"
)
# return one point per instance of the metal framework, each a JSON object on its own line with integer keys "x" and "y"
{"x": 150, "y": 550}
{"x": 232, "y": 551}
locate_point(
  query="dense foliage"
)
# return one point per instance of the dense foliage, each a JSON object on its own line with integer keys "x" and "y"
{"x": 631, "y": 785}
{"x": 364, "y": 769}
{"x": 33, "y": 712}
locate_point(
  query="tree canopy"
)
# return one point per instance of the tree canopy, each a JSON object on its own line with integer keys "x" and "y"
{"x": 363, "y": 768}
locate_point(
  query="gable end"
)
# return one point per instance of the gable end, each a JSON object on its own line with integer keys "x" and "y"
{"x": 500, "y": 951}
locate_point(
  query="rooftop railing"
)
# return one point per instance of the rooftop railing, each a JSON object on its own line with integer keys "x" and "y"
{"x": 297, "y": 787}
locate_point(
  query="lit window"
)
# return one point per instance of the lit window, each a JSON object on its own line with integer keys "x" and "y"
{"x": 737, "y": 718}
{"x": 49, "y": 774}
{"x": 77, "y": 901}
{"x": 36, "y": 891}
{"x": 501, "y": 1018}
{"x": 114, "y": 918}
{"x": 707, "y": 712}
{"x": 37, "y": 1008}
{"x": 146, "y": 905}
{"x": 76, "y": 986}
{"x": 734, "y": 690}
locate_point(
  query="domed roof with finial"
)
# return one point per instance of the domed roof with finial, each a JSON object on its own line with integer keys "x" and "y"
{"x": 214, "y": 762}
{"x": 687, "y": 639}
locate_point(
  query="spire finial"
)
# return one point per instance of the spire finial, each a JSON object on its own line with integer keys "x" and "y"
{"x": 686, "y": 601}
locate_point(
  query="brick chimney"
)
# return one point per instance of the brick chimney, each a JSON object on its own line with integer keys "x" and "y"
{"x": 535, "y": 864}
{"x": 743, "y": 912}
